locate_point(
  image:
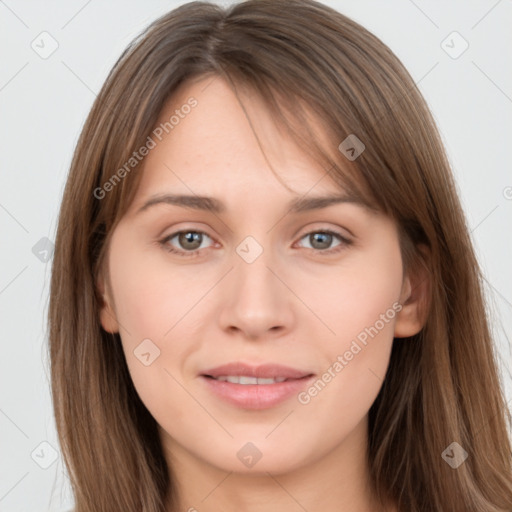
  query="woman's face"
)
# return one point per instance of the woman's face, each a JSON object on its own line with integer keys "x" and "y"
{"x": 308, "y": 294}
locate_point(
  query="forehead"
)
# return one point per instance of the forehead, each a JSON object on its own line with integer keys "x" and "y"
{"x": 212, "y": 141}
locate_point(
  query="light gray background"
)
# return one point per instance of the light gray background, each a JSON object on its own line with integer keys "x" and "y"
{"x": 44, "y": 103}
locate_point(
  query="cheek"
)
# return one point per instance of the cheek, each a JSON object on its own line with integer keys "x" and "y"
{"x": 360, "y": 306}
{"x": 155, "y": 309}
{"x": 360, "y": 295}
{"x": 151, "y": 297}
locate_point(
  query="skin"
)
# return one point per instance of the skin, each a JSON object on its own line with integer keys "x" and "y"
{"x": 293, "y": 305}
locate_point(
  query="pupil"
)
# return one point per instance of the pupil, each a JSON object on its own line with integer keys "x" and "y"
{"x": 190, "y": 238}
{"x": 324, "y": 239}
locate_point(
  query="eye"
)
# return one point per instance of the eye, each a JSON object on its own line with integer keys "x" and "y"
{"x": 321, "y": 240}
{"x": 190, "y": 241}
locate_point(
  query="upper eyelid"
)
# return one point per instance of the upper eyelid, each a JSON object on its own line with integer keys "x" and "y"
{"x": 310, "y": 231}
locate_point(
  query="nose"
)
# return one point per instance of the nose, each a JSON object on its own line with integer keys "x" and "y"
{"x": 258, "y": 303}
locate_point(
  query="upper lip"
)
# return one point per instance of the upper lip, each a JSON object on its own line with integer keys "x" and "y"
{"x": 264, "y": 371}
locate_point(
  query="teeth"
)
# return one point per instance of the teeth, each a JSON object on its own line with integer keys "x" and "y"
{"x": 266, "y": 381}
{"x": 242, "y": 379}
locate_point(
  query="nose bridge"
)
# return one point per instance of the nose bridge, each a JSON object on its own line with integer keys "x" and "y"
{"x": 259, "y": 301}
{"x": 253, "y": 278}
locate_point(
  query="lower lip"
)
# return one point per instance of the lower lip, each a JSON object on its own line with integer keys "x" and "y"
{"x": 256, "y": 396}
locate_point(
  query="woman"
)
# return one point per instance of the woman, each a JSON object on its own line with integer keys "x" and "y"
{"x": 264, "y": 295}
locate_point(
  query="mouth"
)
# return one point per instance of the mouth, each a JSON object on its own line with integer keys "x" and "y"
{"x": 245, "y": 380}
{"x": 255, "y": 387}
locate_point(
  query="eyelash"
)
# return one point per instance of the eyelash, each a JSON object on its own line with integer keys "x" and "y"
{"x": 344, "y": 242}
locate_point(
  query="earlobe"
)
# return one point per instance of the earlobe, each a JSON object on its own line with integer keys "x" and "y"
{"x": 107, "y": 314}
{"x": 415, "y": 301}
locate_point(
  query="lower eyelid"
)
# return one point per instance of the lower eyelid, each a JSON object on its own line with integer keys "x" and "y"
{"x": 165, "y": 242}
{"x": 167, "y": 239}
{"x": 343, "y": 241}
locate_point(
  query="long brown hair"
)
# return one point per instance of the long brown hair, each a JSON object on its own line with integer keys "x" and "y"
{"x": 442, "y": 385}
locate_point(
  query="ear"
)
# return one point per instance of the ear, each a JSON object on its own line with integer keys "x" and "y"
{"x": 108, "y": 317}
{"x": 414, "y": 298}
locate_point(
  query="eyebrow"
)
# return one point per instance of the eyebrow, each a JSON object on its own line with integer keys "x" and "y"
{"x": 297, "y": 205}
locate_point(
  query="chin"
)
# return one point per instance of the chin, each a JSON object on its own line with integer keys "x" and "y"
{"x": 260, "y": 457}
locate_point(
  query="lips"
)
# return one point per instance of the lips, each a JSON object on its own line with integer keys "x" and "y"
{"x": 255, "y": 387}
